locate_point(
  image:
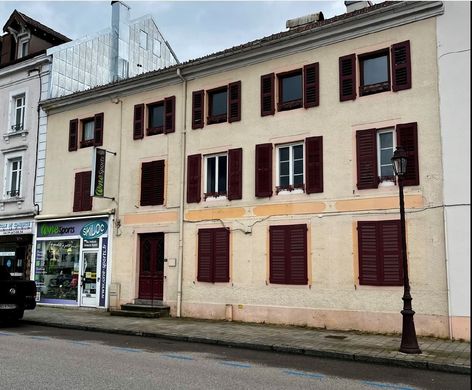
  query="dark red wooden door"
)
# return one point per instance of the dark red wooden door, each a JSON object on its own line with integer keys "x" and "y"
{"x": 151, "y": 266}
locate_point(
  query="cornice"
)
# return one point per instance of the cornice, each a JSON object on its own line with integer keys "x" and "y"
{"x": 24, "y": 65}
{"x": 395, "y": 15}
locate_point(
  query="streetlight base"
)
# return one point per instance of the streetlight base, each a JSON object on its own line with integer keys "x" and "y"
{"x": 409, "y": 342}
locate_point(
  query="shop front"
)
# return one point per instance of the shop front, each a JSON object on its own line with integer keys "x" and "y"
{"x": 16, "y": 239}
{"x": 71, "y": 262}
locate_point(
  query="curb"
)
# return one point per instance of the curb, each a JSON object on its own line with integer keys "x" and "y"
{"x": 443, "y": 367}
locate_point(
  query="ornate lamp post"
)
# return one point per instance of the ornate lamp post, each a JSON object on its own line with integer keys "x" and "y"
{"x": 409, "y": 342}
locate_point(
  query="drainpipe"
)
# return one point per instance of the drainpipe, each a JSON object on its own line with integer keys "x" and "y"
{"x": 182, "y": 195}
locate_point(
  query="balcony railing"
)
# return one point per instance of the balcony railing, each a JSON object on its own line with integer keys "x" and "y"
{"x": 13, "y": 193}
{"x": 17, "y": 127}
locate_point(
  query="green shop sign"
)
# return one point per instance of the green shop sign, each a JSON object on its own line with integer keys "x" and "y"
{"x": 93, "y": 230}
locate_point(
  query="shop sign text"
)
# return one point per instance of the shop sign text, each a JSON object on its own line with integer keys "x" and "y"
{"x": 93, "y": 230}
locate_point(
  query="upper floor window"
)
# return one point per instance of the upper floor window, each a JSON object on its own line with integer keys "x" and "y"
{"x": 159, "y": 116}
{"x": 374, "y": 72}
{"x": 290, "y": 167}
{"x": 290, "y": 90}
{"x": 216, "y": 175}
{"x": 88, "y": 128}
{"x": 18, "y": 114}
{"x": 143, "y": 39}
{"x": 155, "y": 118}
{"x": 218, "y": 105}
{"x": 13, "y": 179}
{"x": 24, "y": 46}
{"x": 385, "y": 149}
{"x": 152, "y": 183}
{"x": 82, "y": 198}
{"x": 89, "y": 133}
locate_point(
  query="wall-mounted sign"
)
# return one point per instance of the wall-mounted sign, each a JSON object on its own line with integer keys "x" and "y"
{"x": 91, "y": 244}
{"x": 98, "y": 173}
{"x": 14, "y": 228}
{"x": 93, "y": 230}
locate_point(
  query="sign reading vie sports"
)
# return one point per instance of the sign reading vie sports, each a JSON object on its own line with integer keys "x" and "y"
{"x": 98, "y": 173}
{"x": 86, "y": 228}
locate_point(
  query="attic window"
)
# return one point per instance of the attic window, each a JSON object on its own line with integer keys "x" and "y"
{"x": 23, "y": 48}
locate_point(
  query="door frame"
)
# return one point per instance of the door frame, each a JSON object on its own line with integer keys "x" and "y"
{"x": 139, "y": 236}
{"x": 83, "y": 300}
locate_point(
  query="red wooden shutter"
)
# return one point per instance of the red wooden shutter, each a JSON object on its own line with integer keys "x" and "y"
{"x": 268, "y": 94}
{"x": 391, "y": 253}
{"x": 311, "y": 85}
{"x": 234, "y": 102}
{"x": 235, "y": 174}
{"x": 314, "y": 164}
{"x": 138, "y": 121}
{"x": 263, "y": 170}
{"x": 407, "y": 137}
{"x": 367, "y": 173}
{"x": 152, "y": 183}
{"x": 221, "y": 255}
{"x": 169, "y": 114}
{"x": 82, "y": 198}
{"x": 98, "y": 130}
{"x": 194, "y": 163}
{"x": 368, "y": 253}
{"x": 401, "y": 66}
{"x": 73, "y": 134}
{"x": 198, "y": 109}
{"x": 347, "y": 77}
{"x": 205, "y": 255}
{"x": 278, "y": 252}
{"x": 297, "y": 254}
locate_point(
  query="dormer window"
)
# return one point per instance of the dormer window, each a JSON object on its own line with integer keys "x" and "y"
{"x": 23, "y": 47}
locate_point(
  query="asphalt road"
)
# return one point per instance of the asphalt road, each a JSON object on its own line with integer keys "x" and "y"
{"x": 34, "y": 357}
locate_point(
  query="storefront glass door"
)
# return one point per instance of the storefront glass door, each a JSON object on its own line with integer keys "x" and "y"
{"x": 89, "y": 279}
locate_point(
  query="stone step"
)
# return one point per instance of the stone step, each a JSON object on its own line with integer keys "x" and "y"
{"x": 145, "y": 308}
{"x": 148, "y": 302}
{"x": 131, "y": 313}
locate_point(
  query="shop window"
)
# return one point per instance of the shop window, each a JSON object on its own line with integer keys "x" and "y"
{"x": 374, "y": 72}
{"x": 18, "y": 113}
{"x": 216, "y": 176}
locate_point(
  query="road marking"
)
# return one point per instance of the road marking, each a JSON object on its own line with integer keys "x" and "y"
{"x": 127, "y": 349}
{"x": 181, "y": 357}
{"x": 78, "y": 342}
{"x": 5, "y": 334}
{"x": 39, "y": 337}
{"x": 387, "y": 385}
{"x": 304, "y": 374}
{"x": 236, "y": 364}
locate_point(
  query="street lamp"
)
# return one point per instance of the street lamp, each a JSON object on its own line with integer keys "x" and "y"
{"x": 409, "y": 342}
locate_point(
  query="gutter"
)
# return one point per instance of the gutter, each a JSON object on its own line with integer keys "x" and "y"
{"x": 183, "y": 146}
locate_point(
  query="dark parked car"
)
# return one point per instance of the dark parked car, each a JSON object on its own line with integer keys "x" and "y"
{"x": 16, "y": 296}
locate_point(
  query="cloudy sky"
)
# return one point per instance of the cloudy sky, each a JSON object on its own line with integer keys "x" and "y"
{"x": 193, "y": 28}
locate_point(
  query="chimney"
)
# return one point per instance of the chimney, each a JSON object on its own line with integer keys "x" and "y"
{"x": 120, "y": 40}
{"x": 356, "y": 5}
{"x": 297, "y": 22}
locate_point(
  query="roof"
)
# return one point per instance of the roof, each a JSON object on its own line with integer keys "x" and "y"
{"x": 34, "y": 25}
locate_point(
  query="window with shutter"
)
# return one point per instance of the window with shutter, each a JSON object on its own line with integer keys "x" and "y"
{"x": 194, "y": 163}
{"x": 347, "y": 77}
{"x": 197, "y": 109}
{"x": 374, "y": 72}
{"x": 290, "y": 167}
{"x": 263, "y": 170}
{"x": 73, "y": 134}
{"x": 169, "y": 108}
{"x": 401, "y": 66}
{"x": 288, "y": 254}
{"x": 217, "y": 105}
{"x": 367, "y": 176}
{"x": 234, "y": 102}
{"x": 213, "y": 255}
{"x": 82, "y": 198}
{"x": 152, "y": 183}
{"x": 155, "y": 118}
{"x": 235, "y": 174}
{"x": 290, "y": 90}
{"x": 407, "y": 137}
{"x": 88, "y": 132}
{"x": 311, "y": 85}
{"x": 138, "y": 121}
{"x": 267, "y": 94}
{"x": 380, "y": 257}
{"x": 314, "y": 165}
{"x": 216, "y": 176}
{"x": 98, "y": 129}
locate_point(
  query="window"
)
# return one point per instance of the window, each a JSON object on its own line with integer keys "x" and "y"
{"x": 380, "y": 254}
{"x": 290, "y": 90}
{"x": 217, "y": 105}
{"x": 156, "y": 47}
{"x": 290, "y": 167}
{"x": 375, "y": 147}
{"x": 24, "y": 48}
{"x": 14, "y": 169}
{"x": 88, "y": 129}
{"x": 374, "y": 72}
{"x": 213, "y": 255}
{"x": 152, "y": 183}
{"x": 82, "y": 198}
{"x": 18, "y": 114}
{"x": 288, "y": 254}
{"x": 216, "y": 174}
{"x": 143, "y": 39}
{"x": 155, "y": 118}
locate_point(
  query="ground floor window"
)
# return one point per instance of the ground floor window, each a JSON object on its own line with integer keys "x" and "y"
{"x": 213, "y": 255}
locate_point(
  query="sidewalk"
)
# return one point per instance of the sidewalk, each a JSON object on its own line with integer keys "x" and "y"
{"x": 440, "y": 355}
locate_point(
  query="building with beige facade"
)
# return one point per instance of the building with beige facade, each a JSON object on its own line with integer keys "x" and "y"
{"x": 255, "y": 184}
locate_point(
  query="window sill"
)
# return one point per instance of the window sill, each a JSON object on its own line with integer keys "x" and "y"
{"x": 86, "y": 144}
{"x": 372, "y": 89}
{"x": 290, "y": 190}
{"x": 292, "y": 105}
{"x": 210, "y": 197}
{"x": 217, "y": 119}
{"x": 155, "y": 130}
{"x": 18, "y": 200}
{"x": 10, "y": 134}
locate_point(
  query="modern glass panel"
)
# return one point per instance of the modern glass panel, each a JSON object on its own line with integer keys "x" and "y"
{"x": 375, "y": 70}
{"x": 219, "y": 103}
{"x": 291, "y": 88}
{"x": 222, "y": 173}
{"x": 156, "y": 116}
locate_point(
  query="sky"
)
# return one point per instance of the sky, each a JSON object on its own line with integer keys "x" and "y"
{"x": 192, "y": 28}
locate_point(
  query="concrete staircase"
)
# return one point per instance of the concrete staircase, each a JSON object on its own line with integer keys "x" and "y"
{"x": 143, "y": 308}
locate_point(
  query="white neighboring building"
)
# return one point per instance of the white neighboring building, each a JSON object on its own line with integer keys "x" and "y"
{"x": 453, "y": 38}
